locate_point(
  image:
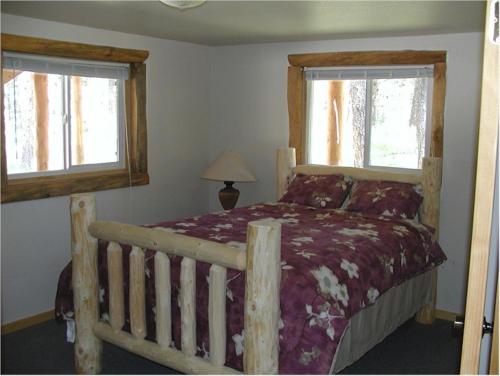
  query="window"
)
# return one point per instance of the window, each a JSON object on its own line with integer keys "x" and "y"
{"x": 63, "y": 116}
{"x": 381, "y": 109}
{"x": 368, "y": 117}
{"x": 73, "y": 118}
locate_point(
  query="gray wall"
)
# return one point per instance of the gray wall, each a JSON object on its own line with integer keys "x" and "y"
{"x": 248, "y": 112}
{"x": 202, "y": 100}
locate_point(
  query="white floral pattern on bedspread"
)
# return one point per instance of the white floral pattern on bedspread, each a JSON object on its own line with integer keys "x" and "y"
{"x": 334, "y": 263}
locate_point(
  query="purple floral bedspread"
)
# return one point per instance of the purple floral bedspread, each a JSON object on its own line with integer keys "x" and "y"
{"x": 334, "y": 263}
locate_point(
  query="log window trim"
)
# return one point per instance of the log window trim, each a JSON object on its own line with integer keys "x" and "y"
{"x": 297, "y": 87}
{"x": 21, "y": 189}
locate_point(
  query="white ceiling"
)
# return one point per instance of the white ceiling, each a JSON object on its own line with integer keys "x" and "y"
{"x": 242, "y": 22}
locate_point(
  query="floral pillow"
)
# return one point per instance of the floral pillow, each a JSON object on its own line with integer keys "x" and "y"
{"x": 320, "y": 191}
{"x": 385, "y": 198}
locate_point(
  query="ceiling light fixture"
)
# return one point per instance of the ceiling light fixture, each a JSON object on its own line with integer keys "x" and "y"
{"x": 183, "y": 4}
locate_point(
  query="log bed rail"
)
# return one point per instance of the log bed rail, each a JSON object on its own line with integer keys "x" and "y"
{"x": 260, "y": 261}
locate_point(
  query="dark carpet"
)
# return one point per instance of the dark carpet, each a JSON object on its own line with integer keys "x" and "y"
{"x": 412, "y": 349}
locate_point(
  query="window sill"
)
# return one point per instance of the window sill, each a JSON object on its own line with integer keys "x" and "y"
{"x": 62, "y": 185}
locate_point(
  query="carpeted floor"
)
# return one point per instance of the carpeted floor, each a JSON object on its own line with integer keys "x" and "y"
{"x": 412, "y": 349}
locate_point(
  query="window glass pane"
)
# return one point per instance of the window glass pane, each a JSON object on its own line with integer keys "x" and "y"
{"x": 56, "y": 116}
{"x": 363, "y": 123}
{"x": 33, "y": 114}
{"x": 398, "y": 117}
{"x": 94, "y": 120}
{"x": 318, "y": 124}
{"x": 350, "y": 114}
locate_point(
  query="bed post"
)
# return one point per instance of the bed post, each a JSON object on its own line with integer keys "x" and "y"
{"x": 88, "y": 347}
{"x": 262, "y": 300}
{"x": 431, "y": 183}
{"x": 285, "y": 163}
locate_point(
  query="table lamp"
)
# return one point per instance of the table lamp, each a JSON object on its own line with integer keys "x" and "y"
{"x": 229, "y": 167}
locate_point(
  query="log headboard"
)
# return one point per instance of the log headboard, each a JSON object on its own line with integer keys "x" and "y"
{"x": 429, "y": 177}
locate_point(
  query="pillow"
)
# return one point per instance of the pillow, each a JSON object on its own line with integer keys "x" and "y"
{"x": 320, "y": 191}
{"x": 385, "y": 198}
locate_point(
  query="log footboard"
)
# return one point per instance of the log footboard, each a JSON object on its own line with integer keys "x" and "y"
{"x": 260, "y": 261}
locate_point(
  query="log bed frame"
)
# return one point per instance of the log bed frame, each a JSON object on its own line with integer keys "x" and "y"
{"x": 260, "y": 261}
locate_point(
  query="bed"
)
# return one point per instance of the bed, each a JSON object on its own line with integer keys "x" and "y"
{"x": 274, "y": 287}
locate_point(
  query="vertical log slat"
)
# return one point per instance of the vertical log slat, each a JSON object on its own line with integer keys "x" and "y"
{"x": 188, "y": 307}
{"x": 137, "y": 294}
{"x": 217, "y": 314}
{"x": 285, "y": 163}
{"x": 88, "y": 348}
{"x": 262, "y": 303}
{"x": 115, "y": 280}
{"x": 163, "y": 300}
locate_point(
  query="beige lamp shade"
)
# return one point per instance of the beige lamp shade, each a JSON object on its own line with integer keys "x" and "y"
{"x": 229, "y": 166}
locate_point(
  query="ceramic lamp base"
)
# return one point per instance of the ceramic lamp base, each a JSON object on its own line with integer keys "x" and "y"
{"x": 228, "y": 196}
